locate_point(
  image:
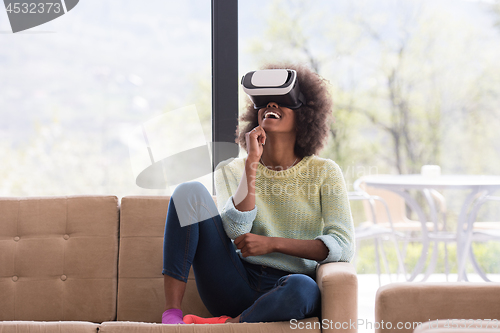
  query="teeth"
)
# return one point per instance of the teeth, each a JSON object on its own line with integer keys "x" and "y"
{"x": 272, "y": 113}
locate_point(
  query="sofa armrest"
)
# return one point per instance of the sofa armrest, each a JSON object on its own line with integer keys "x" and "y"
{"x": 413, "y": 303}
{"x": 338, "y": 284}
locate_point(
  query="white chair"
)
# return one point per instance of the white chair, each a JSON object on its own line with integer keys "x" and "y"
{"x": 393, "y": 215}
{"x": 377, "y": 233}
{"x": 477, "y": 232}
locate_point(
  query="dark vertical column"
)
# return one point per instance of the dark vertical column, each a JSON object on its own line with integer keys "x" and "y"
{"x": 224, "y": 79}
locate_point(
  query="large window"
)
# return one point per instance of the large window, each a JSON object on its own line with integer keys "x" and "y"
{"x": 75, "y": 91}
{"x": 414, "y": 82}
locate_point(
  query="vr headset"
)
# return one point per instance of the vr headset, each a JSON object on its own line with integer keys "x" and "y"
{"x": 273, "y": 85}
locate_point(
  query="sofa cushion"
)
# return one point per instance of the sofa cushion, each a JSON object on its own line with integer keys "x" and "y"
{"x": 47, "y": 327}
{"x": 305, "y": 325}
{"x": 141, "y": 294}
{"x": 421, "y": 302}
{"x": 58, "y": 258}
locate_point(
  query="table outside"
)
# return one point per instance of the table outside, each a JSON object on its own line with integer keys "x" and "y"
{"x": 477, "y": 184}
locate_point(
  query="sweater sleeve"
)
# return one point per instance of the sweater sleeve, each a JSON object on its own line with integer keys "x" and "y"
{"x": 235, "y": 222}
{"x": 338, "y": 231}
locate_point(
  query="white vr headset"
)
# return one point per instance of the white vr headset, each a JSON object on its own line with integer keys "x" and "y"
{"x": 273, "y": 85}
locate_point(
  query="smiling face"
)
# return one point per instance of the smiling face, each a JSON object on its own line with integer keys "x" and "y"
{"x": 275, "y": 118}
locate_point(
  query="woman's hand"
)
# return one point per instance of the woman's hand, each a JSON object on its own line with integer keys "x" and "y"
{"x": 244, "y": 197}
{"x": 255, "y": 139}
{"x": 254, "y": 245}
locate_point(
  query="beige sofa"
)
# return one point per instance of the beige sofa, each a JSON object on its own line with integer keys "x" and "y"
{"x": 439, "y": 307}
{"x": 90, "y": 263}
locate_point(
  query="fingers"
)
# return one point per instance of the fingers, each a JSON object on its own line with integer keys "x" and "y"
{"x": 244, "y": 252}
{"x": 241, "y": 241}
{"x": 255, "y": 140}
{"x": 238, "y": 240}
{"x": 262, "y": 136}
{"x": 242, "y": 245}
{"x": 259, "y": 133}
{"x": 250, "y": 245}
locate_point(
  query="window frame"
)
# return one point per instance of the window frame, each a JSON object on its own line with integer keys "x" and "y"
{"x": 224, "y": 79}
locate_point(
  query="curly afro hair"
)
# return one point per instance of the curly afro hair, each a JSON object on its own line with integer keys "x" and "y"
{"x": 312, "y": 119}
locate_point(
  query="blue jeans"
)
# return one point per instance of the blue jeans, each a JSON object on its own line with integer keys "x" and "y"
{"x": 227, "y": 284}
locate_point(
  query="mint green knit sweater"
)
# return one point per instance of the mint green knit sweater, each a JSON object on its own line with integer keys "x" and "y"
{"x": 306, "y": 201}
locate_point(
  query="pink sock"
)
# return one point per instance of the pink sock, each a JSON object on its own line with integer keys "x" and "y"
{"x": 172, "y": 316}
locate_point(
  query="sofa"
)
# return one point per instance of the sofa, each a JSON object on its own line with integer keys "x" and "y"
{"x": 440, "y": 307}
{"x": 93, "y": 263}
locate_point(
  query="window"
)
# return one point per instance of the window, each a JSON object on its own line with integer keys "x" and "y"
{"x": 74, "y": 91}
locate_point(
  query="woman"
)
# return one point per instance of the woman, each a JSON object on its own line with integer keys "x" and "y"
{"x": 285, "y": 208}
